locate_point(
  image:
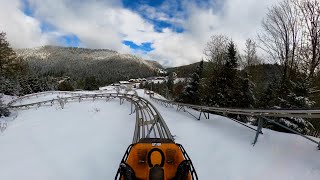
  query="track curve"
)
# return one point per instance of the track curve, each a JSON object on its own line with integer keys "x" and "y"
{"x": 149, "y": 122}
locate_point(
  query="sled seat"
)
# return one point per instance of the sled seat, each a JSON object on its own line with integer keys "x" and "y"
{"x": 158, "y": 161}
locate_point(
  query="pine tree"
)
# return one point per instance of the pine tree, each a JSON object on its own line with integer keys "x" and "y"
{"x": 44, "y": 85}
{"x": 246, "y": 98}
{"x": 10, "y": 67}
{"x": 297, "y": 96}
{"x": 225, "y": 92}
{"x": 34, "y": 84}
{"x": 7, "y": 86}
{"x": 288, "y": 95}
{"x": 190, "y": 93}
{"x": 268, "y": 96}
{"x": 170, "y": 83}
{"x": 9, "y": 62}
{"x": 24, "y": 86}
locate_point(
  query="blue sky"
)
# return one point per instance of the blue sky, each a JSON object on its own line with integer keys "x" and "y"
{"x": 159, "y": 25}
{"x": 72, "y": 40}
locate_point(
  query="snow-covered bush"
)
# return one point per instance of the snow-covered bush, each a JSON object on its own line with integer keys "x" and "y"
{"x": 65, "y": 85}
{"x": 4, "y": 111}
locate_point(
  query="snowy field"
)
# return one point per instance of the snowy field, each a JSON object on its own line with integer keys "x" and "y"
{"x": 55, "y": 95}
{"x": 87, "y": 141}
{"x": 222, "y": 149}
{"x": 82, "y": 141}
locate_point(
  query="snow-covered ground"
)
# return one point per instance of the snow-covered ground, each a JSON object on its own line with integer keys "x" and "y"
{"x": 56, "y": 95}
{"x": 222, "y": 149}
{"x": 87, "y": 141}
{"x": 82, "y": 141}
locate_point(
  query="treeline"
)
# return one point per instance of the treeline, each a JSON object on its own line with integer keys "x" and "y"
{"x": 14, "y": 76}
{"x": 80, "y": 65}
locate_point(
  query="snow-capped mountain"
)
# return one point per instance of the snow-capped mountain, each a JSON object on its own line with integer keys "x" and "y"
{"x": 105, "y": 65}
{"x": 45, "y": 52}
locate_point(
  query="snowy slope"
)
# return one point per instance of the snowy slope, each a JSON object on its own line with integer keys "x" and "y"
{"x": 82, "y": 141}
{"x": 87, "y": 141}
{"x": 221, "y": 149}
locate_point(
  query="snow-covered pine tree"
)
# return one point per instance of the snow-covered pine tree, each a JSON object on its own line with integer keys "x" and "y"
{"x": 190, "y": 93}
{"x": 268, "y": 96}
{"x": 24, "y": 87}
{"x": 65, "y": 85}
{"x": 44, "y": 86}
{"x": 297, "y": 97}
{"x": 34, "y": 84}
{"x": 170, "y": 83}
{"x": 220, "y": 87}
{"x": 228, "y": 80}
{"x": 288, "y": 95}
{"x": 247, "y": 98}
{"x": 10, "y": 67}
{"x": 243, "y": 95}
{"x": 7, "y": 86}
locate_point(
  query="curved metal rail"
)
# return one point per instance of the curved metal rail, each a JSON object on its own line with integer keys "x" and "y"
{"x": 302, "y": 113}
{"x": 149, "y": 122}
{"x": 263, "y": 115}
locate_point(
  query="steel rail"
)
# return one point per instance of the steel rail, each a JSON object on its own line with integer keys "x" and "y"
{"x": 261, "y": 114}
{"x": 146, "y": 114}
{"x": 302, "y": 113}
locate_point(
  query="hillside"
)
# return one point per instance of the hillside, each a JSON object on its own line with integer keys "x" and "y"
{"x": 184, "y": 71}
{"x": 105, "y": 65}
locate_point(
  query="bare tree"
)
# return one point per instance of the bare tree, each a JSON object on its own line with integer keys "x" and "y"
{"x": 310, "y": 46}
{"x": 280, "y": 37}
{"x": 215, "y": 53}
{"x": 250, "y": 55}
{"x": 215, "y": 50}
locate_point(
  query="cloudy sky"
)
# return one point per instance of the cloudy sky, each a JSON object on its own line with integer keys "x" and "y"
{"x": 173, "y": 32}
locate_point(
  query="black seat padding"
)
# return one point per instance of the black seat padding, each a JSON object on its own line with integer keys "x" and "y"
{"x": 156, "y": 173}
{"x": 183, "y": 170}
{"x": 127, "y": 172}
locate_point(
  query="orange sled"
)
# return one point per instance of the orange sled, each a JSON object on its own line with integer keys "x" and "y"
{"x": 156, "y": 159}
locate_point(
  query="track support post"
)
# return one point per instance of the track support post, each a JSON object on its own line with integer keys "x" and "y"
{"x": 132, "y": 110}
{"x": 200, "y": 115}
{"x": 259, "y": 130}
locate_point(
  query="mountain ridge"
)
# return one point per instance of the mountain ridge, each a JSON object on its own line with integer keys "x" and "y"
{"x": 105, "y": 65}
{"x": 44, "y": 52}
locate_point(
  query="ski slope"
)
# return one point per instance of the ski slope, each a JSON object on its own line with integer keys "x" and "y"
{"x": 87, "y": 140}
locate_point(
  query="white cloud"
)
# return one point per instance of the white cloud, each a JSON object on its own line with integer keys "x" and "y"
{"x": 237, "y": 19}
{"x": 22, "y": 31}
{"x": 105, "y": 24}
